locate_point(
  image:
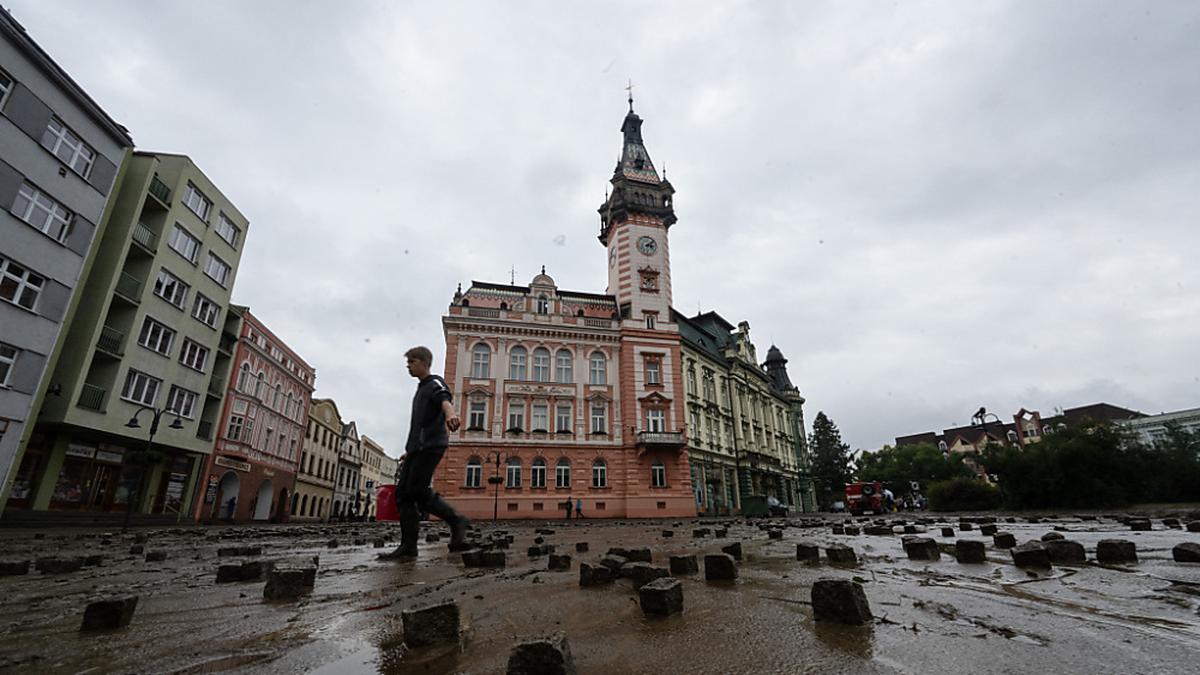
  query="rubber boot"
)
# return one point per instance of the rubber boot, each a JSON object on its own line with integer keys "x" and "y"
{"x": 410, "y": 529}
{"x": 458, "y": 524}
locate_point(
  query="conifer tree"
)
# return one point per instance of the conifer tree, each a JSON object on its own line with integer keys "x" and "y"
{"x": 830, "y": 460}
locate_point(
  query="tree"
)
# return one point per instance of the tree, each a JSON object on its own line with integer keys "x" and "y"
{"x": 830, "y": 460}
{"x": 897, "y": 467}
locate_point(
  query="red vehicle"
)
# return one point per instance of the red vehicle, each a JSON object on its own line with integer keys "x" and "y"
{"x": 864, "y": 497}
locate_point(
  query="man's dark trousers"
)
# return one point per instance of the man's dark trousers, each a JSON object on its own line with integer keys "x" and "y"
{"x": 414, "y": 495}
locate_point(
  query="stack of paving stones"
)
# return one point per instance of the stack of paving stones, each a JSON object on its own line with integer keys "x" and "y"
{"x": 550, "y": 655}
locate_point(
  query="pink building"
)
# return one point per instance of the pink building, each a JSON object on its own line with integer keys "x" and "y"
{"x": 251, "y": 472}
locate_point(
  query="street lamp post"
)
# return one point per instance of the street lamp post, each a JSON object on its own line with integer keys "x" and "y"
{"x": 496, "y": 480}
{"x": 156, "y": 414}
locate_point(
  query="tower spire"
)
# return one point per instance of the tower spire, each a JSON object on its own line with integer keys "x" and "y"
{"x": 630, "y": 90}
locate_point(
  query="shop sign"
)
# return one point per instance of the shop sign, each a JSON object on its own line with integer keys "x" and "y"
{"x": 268, "y": 473}
{"x": 109, "y": 456}
{"x": 80, "y": 450}
{"x": 175, "y": 486}
{"x": 210, "y": 495}
{"x": 370, "y": 484}
{"x": 232, "y": 464}
{"x": 536, "y": 389}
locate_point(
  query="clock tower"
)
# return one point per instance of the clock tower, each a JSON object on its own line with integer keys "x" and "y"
{"x": 633, "y": 227}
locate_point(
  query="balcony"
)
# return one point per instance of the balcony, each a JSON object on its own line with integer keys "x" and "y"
{"x": 111, "y": 342}
{"x": 144, "y": 237}
{"x": 216, "y": 388}
{"x": 660, "y": 440}
{"x": 160, "y": 191}
{"x": 597, "y": 323}
{"x": 129, "y": 288}
{"x": 483, "y": 312}
{"x": 204, "y": 430}
{"x": 92, "y": 398}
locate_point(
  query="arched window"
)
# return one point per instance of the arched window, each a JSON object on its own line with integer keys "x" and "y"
{"x": 599, "y": 368}
{"x": 260, "y": 386}
{"x": 562, "y": 366}
{"x": 295, "y": 502}
{"x": 278, "y": 397}
{"x": 543, "y": 305}
{"x": 599, "y": 474}
{"x": 658, "y": 474}
{"x": 474, "y": 472}
{"x": 512, "y": 473}
{"x": 516, "y": 363}
{"x": 481, "y": 361}
{"x": 243, "y": 384}
{"x": 541, "y": 364}
{"x": 537, "y": 473}
{"x": 288, "y": 410}
{"x": 562, "y": 473}
{"x": 304, "y": 505}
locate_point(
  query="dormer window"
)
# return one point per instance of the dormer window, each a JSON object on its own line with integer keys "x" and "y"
{"x": 543, "y": 305}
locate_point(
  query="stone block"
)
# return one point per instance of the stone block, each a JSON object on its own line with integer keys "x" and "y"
{"x": 481, "y": 558}
{"x": 137, "y": 549}
{"x": 1030, "y": 554}
{"x": 14, "y": 568}
{"x": 808, "y": 552}
{"x": 58, "y": 565}
{"x": 432, "y": 538}
{"x": 838, "y": 529}
{"x": 332, "y": 543}
{"x": 1188, "y": 552}
{"x": 643, "y": 573}
{"x": 1051, "y": 536}
{"x": 701, "y": 532}
{"x": 286, "y": 584}
{"x": 774, "y": 534}
{"x": 1140, "y": 525}
{"x": 921, "y": 548}
{"x": 1116, "y": 552}
{"x": 684, "y": 564}
{"x": 156, "y": 556}
{"x": 1065, "y": 551}
{"x": 1004, "y": 540}
{"x": 613, "y": 562}
{"x": 251, "y": 570}
{"x": 379, "y": 542}
{"x": 720, "y": 567}
{"x": 661, "y": 597}
{"x": 965, "y": 526}
{"x": 240, "y": 551}
{"x": 947, "y": 531}
{"x": 910, "y": 529}
{"x": 550, "y": 655}
{"x": 840, "y": 601}
{"x": 734, "y": 549}
{"x": 970, "y": 551}
{"x": 538, "y": 550}
{"x": 1172, "y": 523}
{"x": 987, "y": 530}
{"x": 429, "y": 625}
{"x": 109, "y": 614}
{"x": 852, "y": 530}
{"x": 594, "y": 575}
{"x": 1193, "y": 526}
{"x": 720, "y": 533}
{"x": 581, "y": 547}
{"x": 559, "y": 563}
{"x": 841, "y": 555}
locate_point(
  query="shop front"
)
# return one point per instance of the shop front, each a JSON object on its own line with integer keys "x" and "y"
{"x": 238, "y": 489}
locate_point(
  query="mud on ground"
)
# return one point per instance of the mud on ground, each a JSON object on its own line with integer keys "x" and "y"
{"x": 930, "y": 617}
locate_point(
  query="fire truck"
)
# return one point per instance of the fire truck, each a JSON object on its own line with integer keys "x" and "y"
{"x": 865, "y": 497}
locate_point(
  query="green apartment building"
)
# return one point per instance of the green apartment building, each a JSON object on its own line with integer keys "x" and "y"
{"x": 153, "y": 330}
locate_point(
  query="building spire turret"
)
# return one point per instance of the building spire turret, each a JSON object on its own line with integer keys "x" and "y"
{"x": 637, "y": 187}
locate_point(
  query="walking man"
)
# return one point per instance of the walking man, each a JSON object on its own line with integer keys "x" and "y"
{"x": 578, "y": 508}
{"x": 432, "y": 414}
{"x": 568, "y": 507}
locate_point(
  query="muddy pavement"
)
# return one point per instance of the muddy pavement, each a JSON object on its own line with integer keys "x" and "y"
{"x": 929, "y": 615}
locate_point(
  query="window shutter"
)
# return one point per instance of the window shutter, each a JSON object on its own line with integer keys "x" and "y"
{"x": 52, "y": 303}
{"x": 28, "y": 112}
{"x": 28, "y": 372}
{"x": 102, "y": 174}
{"x": 80, "y": 238}
{"x": 10, "y": 182}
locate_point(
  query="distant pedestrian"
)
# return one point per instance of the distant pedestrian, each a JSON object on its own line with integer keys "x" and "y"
{"x": 578, "y": 508}
{"x": 232, "y": 506}
{"x": 568, "y": 504}
{"x": 432, "y": 415}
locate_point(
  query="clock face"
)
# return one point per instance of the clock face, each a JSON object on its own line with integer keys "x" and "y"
{"x": 647, "y": 245}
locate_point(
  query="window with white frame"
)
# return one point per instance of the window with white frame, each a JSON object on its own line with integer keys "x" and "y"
{"x": 541, "y": 417}
{"x": 652, "y": 372}
{"x": 182, "y": 402}
{"x": 193, "y": 355}
{"x": 537, "y": 473}
{"x": 184, "y": 243}
{"x": 206, "y": 311}
{"x": 655, "y": 420}
{"x": 512, "y": 473}
{"x": 227, "y": 230}
{"x": 562, "y": 417}
{"x": 691, "y": 381}
{"x": 140, "y": 387}
{"x": 599, "y": 418}
{"x": 516, "y": 415}
{"x": 695, "y": 425}
{"x": 562, "y": 366}
{"x": 599, "y": 474}
{"x": 477, "y": 415}
{"x": 516, "y": 363}
{"x": 68, "y": 147}
{"x": 278, "y": 400}
{"x": 8, "y": 361}
{"x": 217, "y": 269}
{"x": 168, "y": 287}
{"x": 658, "y": 475}
{"x": 234, "y": 432}
{"x": 43, "y": 213}
{"x": 244, "y": 383}
{"x": 155, "y": 336}
{"x": 481, "y": 361}
{"x": 562, "y": 473}
{"x": 543, "y": 305}
{"x": 6, "y": 84}
{"x": 651, "y": 321}
{"x": 599, "y": 368}
{"x": 541, "y": 364}
{"x": 195, "y": 200}
{"x": 474, "y": 473}
{"x": 19, "y": 285}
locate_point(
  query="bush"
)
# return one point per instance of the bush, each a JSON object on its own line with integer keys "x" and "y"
{"x": 963, "y": 494}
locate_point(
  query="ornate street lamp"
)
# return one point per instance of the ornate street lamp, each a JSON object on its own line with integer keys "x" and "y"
{"x": 147, "y": 456}
{"x": 496, "y": 480}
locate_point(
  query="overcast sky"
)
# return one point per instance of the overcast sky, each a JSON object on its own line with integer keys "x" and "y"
{"x": 929, "y": 207}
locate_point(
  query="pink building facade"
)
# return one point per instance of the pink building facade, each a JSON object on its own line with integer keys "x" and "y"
{"x": 251, "y": 472}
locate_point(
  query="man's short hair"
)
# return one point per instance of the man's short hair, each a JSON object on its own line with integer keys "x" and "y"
{"x": 420, "y": 354}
